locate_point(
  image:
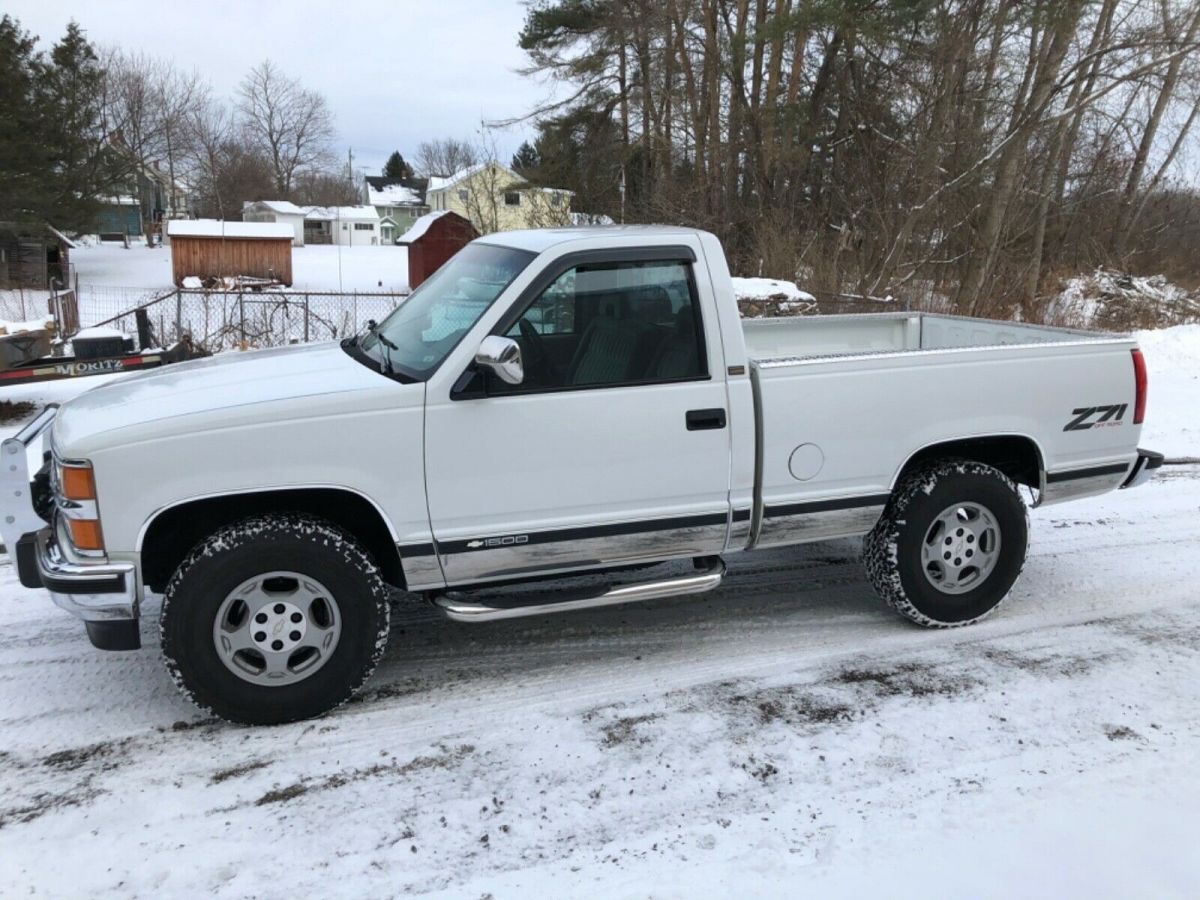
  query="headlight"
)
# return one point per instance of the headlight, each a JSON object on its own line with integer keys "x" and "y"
{"x": 75, "y": 486}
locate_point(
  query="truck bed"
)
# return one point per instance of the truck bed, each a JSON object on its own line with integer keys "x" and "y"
{"x": 844, "y": 401}
{"x": 781, "y": 340}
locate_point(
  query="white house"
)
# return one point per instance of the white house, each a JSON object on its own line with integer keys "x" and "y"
{"x": 350, "y": 226}
{"x": 283, "y": 212}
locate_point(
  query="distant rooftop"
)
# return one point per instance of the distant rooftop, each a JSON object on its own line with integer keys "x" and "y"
{"x": 283, "y": 207}
{"x": 383, "y": 191}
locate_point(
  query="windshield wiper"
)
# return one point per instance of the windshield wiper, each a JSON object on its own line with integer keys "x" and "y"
{"x": 385, "y": 362}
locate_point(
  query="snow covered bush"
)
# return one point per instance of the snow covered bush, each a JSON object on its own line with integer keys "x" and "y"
{"x": 1116, "y": 301}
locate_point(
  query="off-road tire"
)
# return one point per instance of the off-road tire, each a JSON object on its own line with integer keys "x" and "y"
{"x": 292, "y": 542}
{"x": 892, "y": 550}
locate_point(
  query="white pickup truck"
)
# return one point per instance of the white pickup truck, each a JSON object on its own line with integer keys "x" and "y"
{"x": 551, "y": 403}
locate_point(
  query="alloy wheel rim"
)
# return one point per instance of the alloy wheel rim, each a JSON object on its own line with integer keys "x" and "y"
{"x": 961, "y": 548}
{"x": 277, "y": 628}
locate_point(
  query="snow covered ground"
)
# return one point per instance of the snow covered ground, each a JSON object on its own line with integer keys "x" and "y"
{"x": 784, "y": 736}
{"x": 314, "y": 268}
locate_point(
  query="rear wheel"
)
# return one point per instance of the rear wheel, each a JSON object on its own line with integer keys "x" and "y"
{"x": 950, "y": 545}
{"x": 274, "y": 619}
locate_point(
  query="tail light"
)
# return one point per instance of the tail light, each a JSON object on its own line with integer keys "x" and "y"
{"x": 1139, "y": 381}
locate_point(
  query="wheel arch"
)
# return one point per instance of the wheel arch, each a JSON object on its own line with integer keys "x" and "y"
{"x": 1016, "y": 455}
{"x": 170, "y": 533}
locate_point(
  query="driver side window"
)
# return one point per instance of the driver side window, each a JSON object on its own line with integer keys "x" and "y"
{"x": 610, "y": 324}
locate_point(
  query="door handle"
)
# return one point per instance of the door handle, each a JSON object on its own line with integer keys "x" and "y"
{"x": 705, "y": 419}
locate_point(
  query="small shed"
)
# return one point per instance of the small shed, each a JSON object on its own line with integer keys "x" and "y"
{"x": 280, "y": 211}
{"x": 33, "y": 256}
{"x": 211, "y": 248}
{"x": 433, "y": 239}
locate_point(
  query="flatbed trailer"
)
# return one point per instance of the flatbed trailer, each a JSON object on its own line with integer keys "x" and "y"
{"x": 55, "y": 368}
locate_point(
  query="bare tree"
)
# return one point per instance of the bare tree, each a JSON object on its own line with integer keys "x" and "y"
{"x": 288, "y": 123}
{"x": 134, "y": 118}
{"x": 177, "y": 96}
{"x": 445, "y": 156}
{"x": 210, "y": 128}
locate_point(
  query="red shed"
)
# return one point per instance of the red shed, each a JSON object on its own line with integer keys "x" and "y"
{"x": 433, "y": 239}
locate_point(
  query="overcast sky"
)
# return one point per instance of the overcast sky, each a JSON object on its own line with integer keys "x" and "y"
{"x": 395, "y": 72}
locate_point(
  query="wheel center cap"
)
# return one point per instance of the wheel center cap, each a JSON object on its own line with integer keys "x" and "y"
{"x": 278, "y": 627}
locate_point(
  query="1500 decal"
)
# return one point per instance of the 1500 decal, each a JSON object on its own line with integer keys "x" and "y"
{"x": 1096, "y": 417}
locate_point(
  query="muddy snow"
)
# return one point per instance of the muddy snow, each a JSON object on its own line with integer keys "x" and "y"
{"x": 784, "y": 735}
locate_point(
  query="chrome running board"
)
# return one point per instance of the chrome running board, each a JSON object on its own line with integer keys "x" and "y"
{"x": 455, "y": 605}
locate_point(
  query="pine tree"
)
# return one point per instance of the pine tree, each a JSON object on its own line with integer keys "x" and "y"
{"x": 526, "y": 160}
{"x": 396, "y": 167}
{"x": 73, "y": 87}
{"x": 24, "y": 153}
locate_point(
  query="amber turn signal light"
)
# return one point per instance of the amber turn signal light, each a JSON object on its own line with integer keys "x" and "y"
{"x": 85, "y": 534}
{"x": 78, "y": 483}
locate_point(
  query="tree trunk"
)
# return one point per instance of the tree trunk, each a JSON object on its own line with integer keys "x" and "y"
{"x": 1037, "y": 90}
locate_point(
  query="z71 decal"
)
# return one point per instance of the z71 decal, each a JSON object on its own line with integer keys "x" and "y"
{"x": 1096, "y": 417}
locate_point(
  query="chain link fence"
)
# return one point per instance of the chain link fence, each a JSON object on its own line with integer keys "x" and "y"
{"x": 224, "y": 320}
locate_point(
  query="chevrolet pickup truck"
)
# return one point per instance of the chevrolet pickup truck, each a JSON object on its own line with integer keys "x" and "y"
{"x": 578, "y": 404}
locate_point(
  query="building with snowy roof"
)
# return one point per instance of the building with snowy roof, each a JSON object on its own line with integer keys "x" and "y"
{"x": 398, "y": 201}
{"x": 282, "y": 212}
{"x": 495, "y": 198}
{"x": 433, "y": 239}
{"x": 213, "y": 249}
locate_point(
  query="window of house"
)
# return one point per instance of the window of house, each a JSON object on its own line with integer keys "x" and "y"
{"x": 512, "y": 198}
{"x": 609, "y": 324}
{"x": 462, "y": 196}
{"x": 556, "y": 199}
{"x": 364, "y": 226}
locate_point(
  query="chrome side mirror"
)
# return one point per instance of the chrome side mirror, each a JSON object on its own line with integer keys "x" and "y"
{"x": 502, "y": 356}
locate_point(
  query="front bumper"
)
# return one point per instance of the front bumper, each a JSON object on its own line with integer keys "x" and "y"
{"x": 1148, "y": 462}
{"x": 103, "y": 594}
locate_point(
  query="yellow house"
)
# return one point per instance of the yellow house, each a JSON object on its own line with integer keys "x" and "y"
{"x": 495, "y": 198}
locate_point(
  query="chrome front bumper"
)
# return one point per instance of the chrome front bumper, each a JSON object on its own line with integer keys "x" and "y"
{"x": 94, "y": 592}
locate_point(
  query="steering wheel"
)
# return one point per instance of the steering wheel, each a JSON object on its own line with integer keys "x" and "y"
{"x": 537, "y": 357}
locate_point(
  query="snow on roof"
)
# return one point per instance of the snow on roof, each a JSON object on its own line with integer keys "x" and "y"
{"x": 317, "y": 212}
{"x": 420, "y": 226}
{"x": 216, "y": 228}
{"x": 283, "y": 207}
{"x": 437, "y": 182}
{"x": 118, "y": 200}
{"x": 62, "y": 237}
{"x": 393, "y": 195}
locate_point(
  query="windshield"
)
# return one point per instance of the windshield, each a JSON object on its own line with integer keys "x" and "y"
{"x": 422, "y": 330}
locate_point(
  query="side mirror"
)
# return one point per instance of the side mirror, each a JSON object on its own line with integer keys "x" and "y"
{"x": 502, "y": 356}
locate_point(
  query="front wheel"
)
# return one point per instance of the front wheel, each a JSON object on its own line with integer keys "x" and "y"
{"x": 274, "y": 619}
{"x": 950, "y": 545}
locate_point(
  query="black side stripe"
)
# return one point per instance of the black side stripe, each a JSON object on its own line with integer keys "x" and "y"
{"x": 409, "y": 551}
{"x": 819, "y": 506}
{"x": 583, "y": 533}
{"x": 741, "y": 515}
{"x": 1094, "y": 472}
